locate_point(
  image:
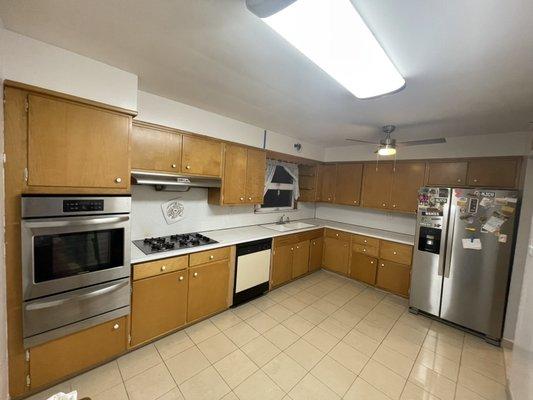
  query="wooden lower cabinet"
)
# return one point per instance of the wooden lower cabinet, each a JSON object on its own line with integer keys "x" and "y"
{"x": 158, "y": 305}
{"x": 208, "y": 289}
{"x": 336, "y": 255}
{"x": 363, "y": 268}
{"x": 282, "y": 264}
{"x": 68, "y": 355}
{"x": 300, "y": 260}
{"x": 316, "y": 247}
{"x": 394, "y": 277}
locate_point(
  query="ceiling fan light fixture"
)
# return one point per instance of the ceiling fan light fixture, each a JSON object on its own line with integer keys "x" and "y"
{"x": 335, "y": 37}
{"x": 387, "y": 150}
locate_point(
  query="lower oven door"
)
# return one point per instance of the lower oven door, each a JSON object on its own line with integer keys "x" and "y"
{"x": 55, "y": 316}
{"x": 68, "y": 253}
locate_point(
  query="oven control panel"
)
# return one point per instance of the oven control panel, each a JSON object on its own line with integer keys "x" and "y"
{"x": 82, "y": 205}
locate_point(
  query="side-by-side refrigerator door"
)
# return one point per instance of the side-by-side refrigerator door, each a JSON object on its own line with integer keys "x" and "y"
{"x": 428, "y": 256}
{"x": 478, "y": 259}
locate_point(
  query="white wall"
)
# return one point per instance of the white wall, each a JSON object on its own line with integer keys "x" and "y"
{"x": 505, "y": 144}
{"x": 159, "y": 110}
{"x": 401, "y": 223}
{"x": 147, "y": 218}
{"x": 520, "y": 373}
{"x": 3, "y": 316}
{"x": 36, "y": 63}
{"x": 520, "y": 256}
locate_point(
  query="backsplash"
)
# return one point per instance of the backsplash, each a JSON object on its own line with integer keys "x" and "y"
{"x": 147, "y": 219}
{"x": 395, "y": 222}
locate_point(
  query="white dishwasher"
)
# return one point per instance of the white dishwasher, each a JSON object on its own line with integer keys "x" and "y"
{"x": 252, "y": 270}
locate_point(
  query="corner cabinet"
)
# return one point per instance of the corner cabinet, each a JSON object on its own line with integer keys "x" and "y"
{"x": 76, "y": 147}
{"x": 243, "y": 179}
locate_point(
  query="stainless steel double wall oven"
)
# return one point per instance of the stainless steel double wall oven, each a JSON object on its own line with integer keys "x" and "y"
{"x": 75, "y": 263}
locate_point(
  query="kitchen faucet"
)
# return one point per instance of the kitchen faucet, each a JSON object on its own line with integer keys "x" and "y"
{"x": 283, "y": 220}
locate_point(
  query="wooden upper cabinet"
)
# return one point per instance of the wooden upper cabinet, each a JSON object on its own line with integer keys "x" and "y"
{"x": 208, "y": 289}
{"x": 329, "y": 172}
{"x": 495, "y": 172}
{"x": 348, "y": 184}
{"x": 155, "y": 149}
{"x": 408, "y": 177}
{"x": 234, "y": 187}
{"x": 158, "y": 305}
{"x": 447, "y": 173}
{"x": 255, "y": 176}
{"x": 308, "y": 182}
{"x": 201, "y": 156}
{"x": 377, "y": 183}
{"x": 74, "y": 145}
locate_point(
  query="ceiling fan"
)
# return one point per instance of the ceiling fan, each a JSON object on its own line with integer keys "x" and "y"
{"x": 387, "y": 146}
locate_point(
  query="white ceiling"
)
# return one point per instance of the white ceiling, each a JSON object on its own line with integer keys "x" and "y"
{"x": 468, "y": 64}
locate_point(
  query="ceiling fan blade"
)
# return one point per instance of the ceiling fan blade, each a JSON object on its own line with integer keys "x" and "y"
{"x": 362, "y": 141}
{"x": 421, "y": 142}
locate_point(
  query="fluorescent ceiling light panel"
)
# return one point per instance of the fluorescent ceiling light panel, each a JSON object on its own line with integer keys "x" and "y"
{"x": 334, "y": 36}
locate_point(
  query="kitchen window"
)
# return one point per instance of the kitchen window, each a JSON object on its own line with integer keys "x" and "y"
{"x": 281, "y": 187}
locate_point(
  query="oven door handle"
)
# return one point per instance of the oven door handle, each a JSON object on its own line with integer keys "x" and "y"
{"x": 76, "y": 222}
{"x": 59, "y": 302}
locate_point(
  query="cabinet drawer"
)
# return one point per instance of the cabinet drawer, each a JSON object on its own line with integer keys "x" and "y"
{"x": 397, "y": 252}
{"x": 365, "y": 240}
{"x": 154, "y": 268}
{"x": 365, "y": 249}
{"x": 340, "y": 235}
{"x": 286, "y": 240}
{"x": 209, "y": 256}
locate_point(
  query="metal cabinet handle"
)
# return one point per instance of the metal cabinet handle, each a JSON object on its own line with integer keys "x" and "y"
{"x": 364, "y": 250}
{"x": 394, "y": 206}
{"x": 249, "y": 199}
{"x": 383, "y": 204}
{"x": 337, "y": 235}
{"x": 459, "y": 180}
{"x": 211, "y": 257}
{"x": 382, "y": 265}
{"x": 118, "y": 180}
{"x": 365, "y": 241}
{"x": 195, "y": 274}
{"x": 292, "y": 248}
{"x": 180, "y": 278}
{"x": 188, "y": 167}
{"x": 371, "y": 262}
{"x": 475, "y": 180}
{"x": 163, "y": 268}
{"x": 394, "y": 253}
{"x": 116, "y": 326}
{"x": 241, "y": 198}
{"x": 173, "y": 165}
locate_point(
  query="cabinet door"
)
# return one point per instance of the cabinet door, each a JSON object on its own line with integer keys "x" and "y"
{"x": 201, "y": 156}
{"x": 300, "y": 261}
{"x": 67, "y": 355}
{"x": 208, "y": 289}
{"x": 328, "y": 183}
{"x": 315, "y": 254}
{"x": 447, "y": 173}
{"x": 348, "y": 184}
{"x": 155, "y": 150}
{"x": 408, "y": 178}
{"x": 497, "y": 173}
{"x": 282, "y": 264}
{"x": 363, "y": 268}
{"x": 255, "y": 176}
{"x": 75, "y": 145}
{"x": 336, "y": 255}
{"x": 234, "y": 185}
{"x": 158, "y": 305}
{"x": 377, "y": 182}
{"x": 319, "y": 181}
{"x": 394, "y": 277}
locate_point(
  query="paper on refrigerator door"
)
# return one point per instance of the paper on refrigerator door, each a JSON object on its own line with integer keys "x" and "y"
{"x": 472, "y": 244}
{"x": 493, "y": 224}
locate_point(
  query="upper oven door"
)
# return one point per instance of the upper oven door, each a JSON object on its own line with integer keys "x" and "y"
{"x": 60, "y": 254}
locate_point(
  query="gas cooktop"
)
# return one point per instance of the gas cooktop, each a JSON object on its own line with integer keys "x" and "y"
{"x": 172, "y": 242}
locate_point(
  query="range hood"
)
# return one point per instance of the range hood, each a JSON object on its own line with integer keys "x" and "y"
{"x": 173, "y": 182}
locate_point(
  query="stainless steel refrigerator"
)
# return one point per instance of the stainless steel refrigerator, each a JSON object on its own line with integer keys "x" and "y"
{"x": 462, "y": 258}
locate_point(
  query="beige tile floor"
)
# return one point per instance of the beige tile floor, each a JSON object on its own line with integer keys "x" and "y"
{"x": 320, "y": 337}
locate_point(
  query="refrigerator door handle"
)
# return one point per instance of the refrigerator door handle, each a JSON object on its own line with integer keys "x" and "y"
{"x": 449, "y": 241}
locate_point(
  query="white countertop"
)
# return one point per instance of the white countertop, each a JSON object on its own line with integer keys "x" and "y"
{"x": 229, "y": 237}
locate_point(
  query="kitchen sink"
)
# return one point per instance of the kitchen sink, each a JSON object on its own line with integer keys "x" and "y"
{"x": 288, "y": 226}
